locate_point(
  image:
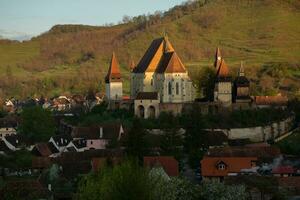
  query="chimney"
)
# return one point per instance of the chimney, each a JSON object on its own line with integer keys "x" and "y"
{"x": 101, "y": 132}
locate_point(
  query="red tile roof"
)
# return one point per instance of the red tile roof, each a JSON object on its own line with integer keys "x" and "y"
{"x": 271, "y": 100}
{"x": 283, "y": 170}
{"x": 171, "y": 63}
{"x": 223, "y": 70}
{"x": 98, "y": 163}
{"x": 169, "y": 164}
{"x": 233, "y": 165}
{"x": 114, "y": 73}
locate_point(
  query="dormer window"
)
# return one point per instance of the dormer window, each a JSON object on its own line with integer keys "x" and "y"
{"x": 221, "y": 165}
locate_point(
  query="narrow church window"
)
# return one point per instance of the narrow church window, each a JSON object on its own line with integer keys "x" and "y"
{"x": 177, "y": 88}
{"x": 170, "y": 88}
{"x": 151, "y": 81}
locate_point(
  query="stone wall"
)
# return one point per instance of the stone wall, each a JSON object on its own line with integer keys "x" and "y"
{"x": 260, "y": 133}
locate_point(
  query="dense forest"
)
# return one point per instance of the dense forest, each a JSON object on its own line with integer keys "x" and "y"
{"x": 264, "y": 34}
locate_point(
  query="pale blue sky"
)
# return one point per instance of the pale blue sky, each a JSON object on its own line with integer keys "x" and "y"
{"x": 32, "y": 17}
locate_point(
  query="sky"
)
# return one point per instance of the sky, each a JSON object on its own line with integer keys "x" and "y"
{"x": 22, "y": 19}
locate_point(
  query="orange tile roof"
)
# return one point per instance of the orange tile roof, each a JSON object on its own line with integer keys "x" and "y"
{"x": 114, "y": 73}
{"x": 160, "y": 57}
{"x": 271, "y": 100}
{"x": 169, "y": 163}
{"x": 175, "y": 65}
{"x": 223, "y": 70}
{"x": 233, "y": 165}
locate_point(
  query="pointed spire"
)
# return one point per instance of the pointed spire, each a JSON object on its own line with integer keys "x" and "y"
{"x": 218, "y": 58}
{"x": 242, "y": 70}
{"x": 113, "y": 73}
{"x": 223, "y": 70}
{"x": 167, "y": 45}
{"x": 132, "y": 65}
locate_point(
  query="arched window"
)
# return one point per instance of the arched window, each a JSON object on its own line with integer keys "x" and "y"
{"x": 177, "y": 88}
{"x": 151, "y": 112}
{"x": 170, "y": 88}
{"x": 141, "y": 111}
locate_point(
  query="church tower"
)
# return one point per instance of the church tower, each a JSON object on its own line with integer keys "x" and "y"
{"x": 223, "y": 84}
{"x": 241, "y": 86}
{"x": 113, "y": 81}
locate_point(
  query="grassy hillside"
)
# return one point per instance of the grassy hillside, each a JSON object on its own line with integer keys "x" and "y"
{"x": 265, "y": 34}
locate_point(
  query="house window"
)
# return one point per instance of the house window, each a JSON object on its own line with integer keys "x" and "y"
{"x": 170, "y": 88}
{"x": 221, "y": 166}
{"x": 91, "y": 142}
{"x": 177, "y": 88}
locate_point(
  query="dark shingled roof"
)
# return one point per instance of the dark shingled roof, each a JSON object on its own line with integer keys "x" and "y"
{"x": 79, "y": 143}
{"x": 62, "y": 140}
{"x": 147, "y": 96}
{"x": 3, "y": 147}
{"x": 146, "y": 59}
{"x": 244, "y": 152}
{"x": 110, "y": 131}
{"x": 17, "y": 140}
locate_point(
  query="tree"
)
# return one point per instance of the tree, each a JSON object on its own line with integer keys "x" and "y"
{"x": 220, "y": 191}
{"x": 135, "y": 142}
{"x": 172, "y": 142}
{"x": 37, "y": 124}
{"x": 194, "y": 141}
{"x": 205, "y": 82}
{"x": 127, "y": 181}
{"x": 131, "y": 181}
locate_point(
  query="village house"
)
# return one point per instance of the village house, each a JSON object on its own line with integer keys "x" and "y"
{"x": 283, "y": 171}
{"x": 76, "y": 145}
{"x": 62, "y": 103}
{"x": 99, "y": 136}
{"x": 8, "y": 126}
{"x": 218, "y": 163}
{"x": 15, "y": 142}
{"x": 60, "y": 141}
{"x": 6, "y": 131}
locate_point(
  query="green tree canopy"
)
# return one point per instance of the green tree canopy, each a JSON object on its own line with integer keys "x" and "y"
{"x": 37, "y": 124}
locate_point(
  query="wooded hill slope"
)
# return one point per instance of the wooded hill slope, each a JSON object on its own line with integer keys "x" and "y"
{"x": 265, "y": 34}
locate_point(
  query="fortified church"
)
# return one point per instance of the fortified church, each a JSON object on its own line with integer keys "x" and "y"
{"x": 160, "y": 82}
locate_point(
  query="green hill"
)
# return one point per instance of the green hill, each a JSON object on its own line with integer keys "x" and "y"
{"x": 265, "y": 34}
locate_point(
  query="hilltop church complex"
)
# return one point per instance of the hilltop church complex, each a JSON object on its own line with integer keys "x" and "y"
{"x": 161, "y": 83}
